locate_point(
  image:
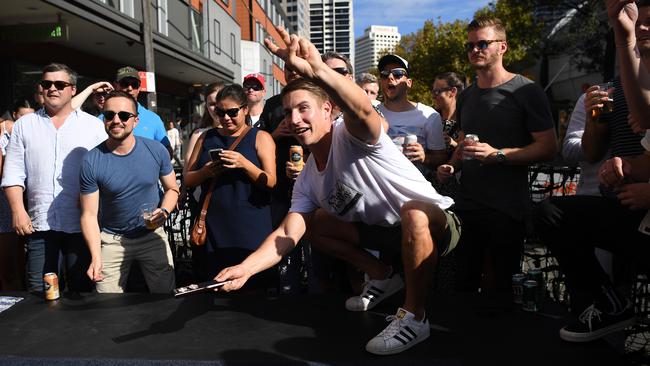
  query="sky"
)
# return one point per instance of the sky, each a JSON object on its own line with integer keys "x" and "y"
{"x": 409, "y": 15}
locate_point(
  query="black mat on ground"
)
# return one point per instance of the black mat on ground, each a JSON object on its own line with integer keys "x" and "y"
{"x": 238, "y": 329}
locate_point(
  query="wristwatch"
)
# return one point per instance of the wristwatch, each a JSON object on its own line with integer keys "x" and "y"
{"x": 501, "y": 157}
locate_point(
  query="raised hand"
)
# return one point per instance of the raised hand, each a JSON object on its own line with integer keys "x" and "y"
{"x": 623, "y": 15}
{"x": 300, "y": 54}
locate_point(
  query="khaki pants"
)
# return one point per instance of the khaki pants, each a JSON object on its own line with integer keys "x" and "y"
{"x": 151, "y": 251}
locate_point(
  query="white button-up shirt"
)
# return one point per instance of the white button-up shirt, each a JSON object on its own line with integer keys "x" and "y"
{"x": 46, "y": 162}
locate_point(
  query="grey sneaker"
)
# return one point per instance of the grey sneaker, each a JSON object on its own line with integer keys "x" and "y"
{"x": 374, "y": 292}
{"x": 402, "y": 333}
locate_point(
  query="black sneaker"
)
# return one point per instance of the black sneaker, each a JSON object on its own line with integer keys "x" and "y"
{"x": 593, "y": 324}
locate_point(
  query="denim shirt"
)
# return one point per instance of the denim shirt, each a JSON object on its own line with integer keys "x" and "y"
{"x": 45, "y": 161}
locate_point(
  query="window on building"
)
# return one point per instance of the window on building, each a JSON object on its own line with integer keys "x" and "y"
{"x": 126, "y": 7}
{"x": 217, "y": 36}
{"x": 233, "y": 49}
{"x": 196, "y": 24}
{"x": 161, "y": 13}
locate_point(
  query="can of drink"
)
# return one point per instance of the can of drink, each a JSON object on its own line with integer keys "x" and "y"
{"x": 537, "y": 275}
{"x": 518, "y": 287}
{"x": 470, "y": 140}
{"x": 530, "y": 296}
{"x": 295, "y": 156}
{"x": 409, "y": 139}
{"x": 51, "y": 284}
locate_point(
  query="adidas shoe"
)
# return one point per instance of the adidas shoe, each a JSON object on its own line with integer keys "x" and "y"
{"x": 593, "y": 324}
{"x": 402, "y": 333}
{"x": 374, "y": 292}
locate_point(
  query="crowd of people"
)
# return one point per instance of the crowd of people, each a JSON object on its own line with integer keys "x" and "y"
{"x": 389, "y": 186}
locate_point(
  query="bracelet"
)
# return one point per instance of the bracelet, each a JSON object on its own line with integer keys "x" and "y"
{"x": 165, "y": 212}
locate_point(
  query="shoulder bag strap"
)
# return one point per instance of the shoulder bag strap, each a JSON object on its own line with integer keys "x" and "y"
{"x": 208, "y": 195}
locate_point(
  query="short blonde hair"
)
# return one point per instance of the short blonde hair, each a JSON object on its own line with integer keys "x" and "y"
{"x": 484, "y": 22}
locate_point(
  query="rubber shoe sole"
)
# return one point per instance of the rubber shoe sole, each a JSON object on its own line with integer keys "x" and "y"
{"x": 597, "y": 334}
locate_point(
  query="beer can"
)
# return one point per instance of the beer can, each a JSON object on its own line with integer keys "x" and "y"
{"x": 530, "y": 296}
{"x": 295, "y": 156}
{"x": 537, "y": 275}
{"x": 518, "y": 287}
{"x": 409, "y": 139}
{"x": 51, "y": 283}
{"x": 470, "y": 140}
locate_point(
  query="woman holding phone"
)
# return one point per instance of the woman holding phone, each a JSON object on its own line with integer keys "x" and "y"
{"x": 238, "y": 216}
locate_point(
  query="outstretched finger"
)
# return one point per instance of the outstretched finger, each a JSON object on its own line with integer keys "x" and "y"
{"x": 284, "y": 35}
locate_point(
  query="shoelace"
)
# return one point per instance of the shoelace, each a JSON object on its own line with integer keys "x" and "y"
{"x": 393, "y": 328}
{"x": 589, "y": 314}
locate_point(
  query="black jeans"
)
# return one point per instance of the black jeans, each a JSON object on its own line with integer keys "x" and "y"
{"x": 487, "y": 232}
{"x": 572, "y": 226}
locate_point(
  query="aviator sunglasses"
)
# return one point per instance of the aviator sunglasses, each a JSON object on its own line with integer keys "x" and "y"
{"x": 122, "y": 115}
{"x": 59, "y": 84}
{"x": 397, "y": 73}
{"x": 231, "y": 112}
{"x": 441, "y": 90}
{"x": 341, "y": 70}
{"x": 481, "y": 45}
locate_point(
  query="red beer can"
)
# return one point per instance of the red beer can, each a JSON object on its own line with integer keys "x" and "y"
{"x": 51, "y": 283}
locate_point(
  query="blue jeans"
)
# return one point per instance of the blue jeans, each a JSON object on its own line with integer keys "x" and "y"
{"x": 46, "y": 249}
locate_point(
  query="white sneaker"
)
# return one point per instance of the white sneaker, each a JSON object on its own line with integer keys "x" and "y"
{"x": 374, "y": 292}
{"x": 402, "y": 333}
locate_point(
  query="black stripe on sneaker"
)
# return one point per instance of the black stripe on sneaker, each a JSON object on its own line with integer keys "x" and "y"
{"x": 376, "y": 290}
{"x": 406, "y": 335}
{"x": 396, "y": 336}
{"x": 410, "y": 331}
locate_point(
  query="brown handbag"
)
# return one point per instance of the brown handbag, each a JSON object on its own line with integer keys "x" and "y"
{"x": 199, "y": 231}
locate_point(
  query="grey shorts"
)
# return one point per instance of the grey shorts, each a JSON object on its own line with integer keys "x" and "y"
{"x": 390, "y": 238}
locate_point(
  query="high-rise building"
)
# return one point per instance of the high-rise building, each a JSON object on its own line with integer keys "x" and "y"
{"x": 297, "y": 12}
{"x": 332, "y": 26}
{"x": 376, "y": 41}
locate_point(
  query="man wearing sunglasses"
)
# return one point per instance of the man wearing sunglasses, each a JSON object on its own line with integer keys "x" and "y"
{"x": 512, "y": 118}
{"x": 44, "y": 157}
{"x": 356, "y": 189}
{"x": 121, "y": 176}
{"x": 150, "y": 125}
{"x": 409, "y": 118}
{"x": 255, "y": 92}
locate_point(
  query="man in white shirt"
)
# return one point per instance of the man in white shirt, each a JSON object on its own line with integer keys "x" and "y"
{"x": 254, "y": 86}
{"x": 43, "y": 159}
{"x": 175, "y": 141}
{"x": 355, "y": 185}
{"x": 409, "y": 118}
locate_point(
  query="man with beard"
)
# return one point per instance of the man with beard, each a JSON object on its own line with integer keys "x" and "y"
{"x": 512, "y": 119}
{"x": 254, "y": 85}
{"x": 122, "y": 176}
{"x": 409, "y": 118}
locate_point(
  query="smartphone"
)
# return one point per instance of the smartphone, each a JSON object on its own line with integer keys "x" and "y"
{"x": 198, "y": 287}
{"x": 214, "y": 154}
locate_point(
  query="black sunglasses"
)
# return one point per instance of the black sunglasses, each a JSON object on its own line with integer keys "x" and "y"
{"x": 232, "y": 112}
{"x": 255, "y": 87}
{"x": 132, "y": 82}
{"x": 397, "y": 73}
{"x": 481, "y": 45}
{"x": 440, "y": 90}
{"x": 59, "y": 84}
{"x": 341, "y": 70}
{"x": 123, "y": 115}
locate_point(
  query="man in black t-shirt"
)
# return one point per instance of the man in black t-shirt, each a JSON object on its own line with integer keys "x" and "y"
{"x": 512, "y": 118}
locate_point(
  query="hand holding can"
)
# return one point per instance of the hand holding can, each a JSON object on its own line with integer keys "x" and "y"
{"x": 470, "y": 140}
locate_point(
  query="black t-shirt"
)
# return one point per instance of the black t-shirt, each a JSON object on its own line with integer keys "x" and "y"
{"x": 504, "y": 117}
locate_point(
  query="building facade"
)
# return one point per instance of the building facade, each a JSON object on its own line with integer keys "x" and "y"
{"x": 258, "y": 19}
{"x": 297, "y": 12}
{"x": 332, "y": 26}
{"x": 376, "y": 41}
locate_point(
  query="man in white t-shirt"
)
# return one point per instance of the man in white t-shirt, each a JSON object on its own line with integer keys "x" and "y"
{"x": 356, "y": 188}
{"x": 409, "y": 118}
